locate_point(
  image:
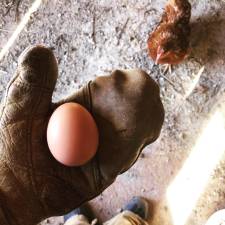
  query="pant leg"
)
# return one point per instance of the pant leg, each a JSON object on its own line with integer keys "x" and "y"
{"x": 126, "y": 218}
{"x": 77, "y": 220}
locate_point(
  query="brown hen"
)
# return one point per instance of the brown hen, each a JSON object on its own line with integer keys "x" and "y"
{"x": 169, "y": 42}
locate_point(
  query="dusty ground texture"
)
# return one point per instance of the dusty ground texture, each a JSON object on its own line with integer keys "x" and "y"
{"x": 92, "y": 38}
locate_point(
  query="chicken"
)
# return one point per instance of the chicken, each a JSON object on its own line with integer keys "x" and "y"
{"x": 169, "y": 42}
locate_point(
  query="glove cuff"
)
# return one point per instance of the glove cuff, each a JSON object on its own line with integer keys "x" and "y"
{"x": 3, "y": 219}
{"x": 15, "y": 203}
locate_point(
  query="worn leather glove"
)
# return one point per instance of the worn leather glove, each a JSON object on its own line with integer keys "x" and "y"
{"x": 33, "y": 185}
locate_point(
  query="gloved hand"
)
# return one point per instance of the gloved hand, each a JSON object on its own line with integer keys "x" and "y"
{"x": 129, "y": 114}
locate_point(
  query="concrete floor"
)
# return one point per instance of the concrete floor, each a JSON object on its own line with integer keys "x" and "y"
{"x": 183, "y": 172}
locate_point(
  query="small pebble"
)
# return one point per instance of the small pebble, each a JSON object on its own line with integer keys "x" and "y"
{"x": 184, "y": 136}
{"x": 161, "y": 81}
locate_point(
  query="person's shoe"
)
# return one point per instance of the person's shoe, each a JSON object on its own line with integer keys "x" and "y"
{"x": 84, "y": 210}
{"x": 139, "y": 206}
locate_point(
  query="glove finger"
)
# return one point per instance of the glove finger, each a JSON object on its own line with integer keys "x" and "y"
{"x": 129, "y": 115}
{"x": 29, "y": 92}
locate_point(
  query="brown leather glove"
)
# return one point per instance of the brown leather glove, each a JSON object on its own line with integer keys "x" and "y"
{"x": 33, "y": 186}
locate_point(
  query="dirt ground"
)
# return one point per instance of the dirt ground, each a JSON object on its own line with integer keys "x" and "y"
{"x": 183, "y": 172}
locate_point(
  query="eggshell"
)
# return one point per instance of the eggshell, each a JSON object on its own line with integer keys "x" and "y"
{"x": 72, "y": 135}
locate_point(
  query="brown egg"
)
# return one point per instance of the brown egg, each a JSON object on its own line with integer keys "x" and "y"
{"x": 72, "y": 135}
